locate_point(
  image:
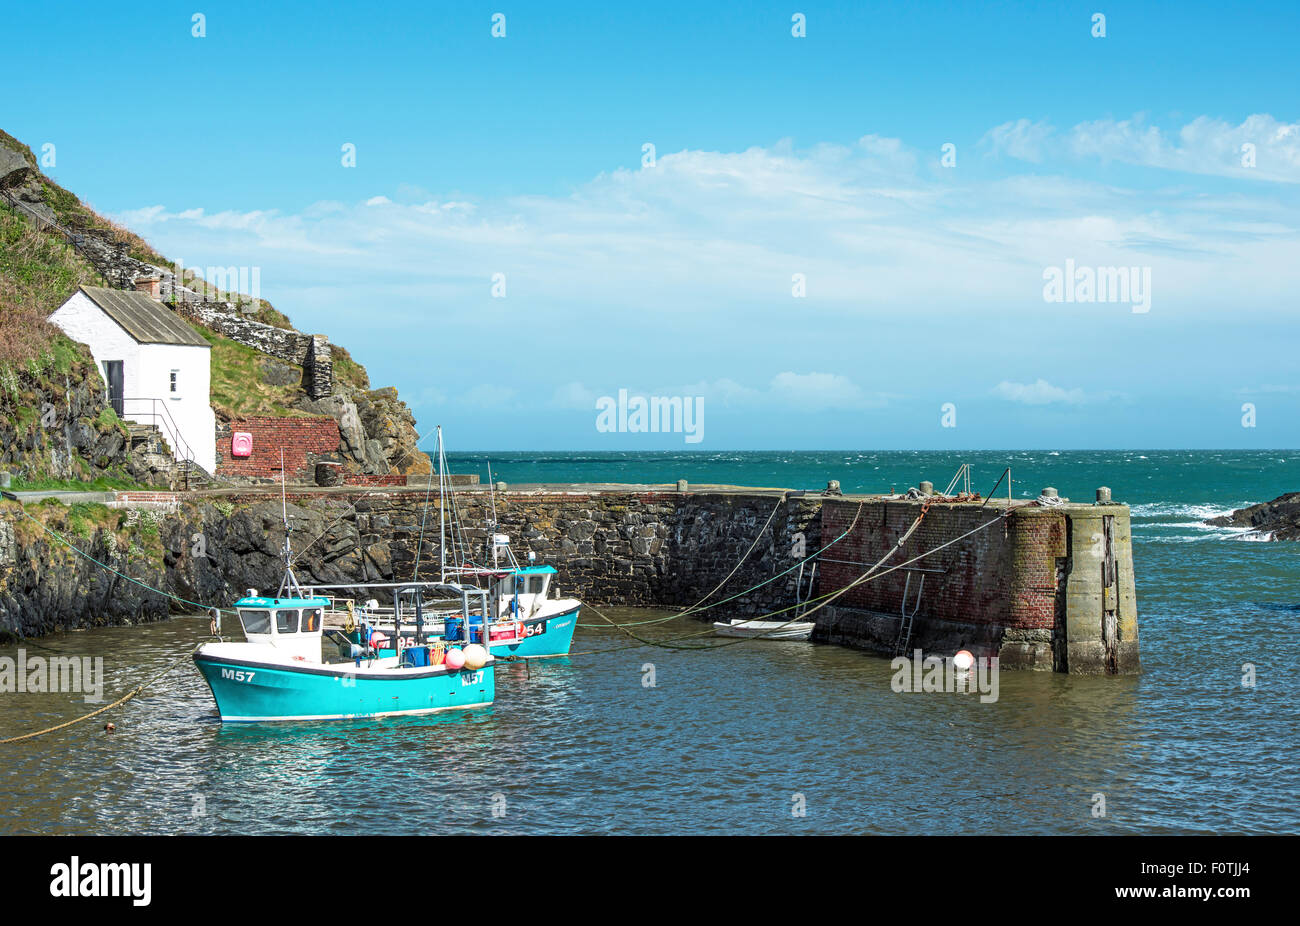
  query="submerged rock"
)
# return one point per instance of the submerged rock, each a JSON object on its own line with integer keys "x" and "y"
{"x": 1278, "y": 519}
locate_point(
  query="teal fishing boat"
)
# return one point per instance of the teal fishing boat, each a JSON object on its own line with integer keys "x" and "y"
{"x": 290, "y": 666}
{"x": 524, "y": 617}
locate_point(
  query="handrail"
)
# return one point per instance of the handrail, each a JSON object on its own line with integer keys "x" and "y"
{"x": 179, "y": 443}
{"x": 72, "y": 237}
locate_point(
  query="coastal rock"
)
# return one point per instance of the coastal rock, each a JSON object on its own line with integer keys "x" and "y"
{"x": 1275, "y": 520}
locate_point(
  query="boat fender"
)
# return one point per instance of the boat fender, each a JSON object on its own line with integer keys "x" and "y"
{"x": 454, "y": 659}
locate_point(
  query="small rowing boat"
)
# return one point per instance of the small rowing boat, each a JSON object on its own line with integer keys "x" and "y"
{"x": 765, "y": 630}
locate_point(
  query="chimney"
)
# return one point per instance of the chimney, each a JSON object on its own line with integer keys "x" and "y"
{"x": 151, "y": 286}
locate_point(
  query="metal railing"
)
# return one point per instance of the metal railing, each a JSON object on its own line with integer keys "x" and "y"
{"x": 182, "y": 452}
{"x": 73, "y": 238}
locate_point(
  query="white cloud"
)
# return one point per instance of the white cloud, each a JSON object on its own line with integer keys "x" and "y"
{"x": 1202, "y": 146}
{"x": 815, "y": 391}
{"x": 1039, "y": 392}
{"x": 809, "y": 392}
{"x": 1022, "y": 139}
{"x": 682, "y": 273}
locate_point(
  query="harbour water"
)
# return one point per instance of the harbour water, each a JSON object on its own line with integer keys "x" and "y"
{"x": 750, "y": 738}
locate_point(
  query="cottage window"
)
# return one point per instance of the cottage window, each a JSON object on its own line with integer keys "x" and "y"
{"x": 175, "y": 381}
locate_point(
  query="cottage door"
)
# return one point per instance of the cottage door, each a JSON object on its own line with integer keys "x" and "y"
{"x": 113, "y": 373}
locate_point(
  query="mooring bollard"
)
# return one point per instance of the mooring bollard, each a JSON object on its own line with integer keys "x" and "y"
{"x": 501, "y": 486}
{"x": 927, "y": 488}
{"x": 681, "y": 485}
{"x": 1103, "y": 495}
{"x": 833, "y": 487}
{"x": 1050, "y": 492}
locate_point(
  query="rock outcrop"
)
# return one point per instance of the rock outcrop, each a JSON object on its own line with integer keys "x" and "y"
{"x": 1275, "y": 520}
{"x": 56, "y": 424}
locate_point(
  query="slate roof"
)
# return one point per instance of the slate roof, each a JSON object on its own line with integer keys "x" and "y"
{"x": 144, "y": 319}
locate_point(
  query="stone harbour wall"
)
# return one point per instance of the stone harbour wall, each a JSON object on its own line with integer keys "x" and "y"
{"x": 1037, "y": 588}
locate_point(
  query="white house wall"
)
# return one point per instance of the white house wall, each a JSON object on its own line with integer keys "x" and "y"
{"x": 146, "y": 370}
{"x": 187, "y": 410}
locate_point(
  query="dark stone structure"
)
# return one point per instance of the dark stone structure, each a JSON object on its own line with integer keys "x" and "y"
{"x": 1045, "y": 587}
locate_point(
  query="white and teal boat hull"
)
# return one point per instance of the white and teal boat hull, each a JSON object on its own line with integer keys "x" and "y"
{"x": 251, "y": 689}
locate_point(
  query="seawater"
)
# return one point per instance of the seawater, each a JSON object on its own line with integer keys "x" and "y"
{"x": 750, "y": 738}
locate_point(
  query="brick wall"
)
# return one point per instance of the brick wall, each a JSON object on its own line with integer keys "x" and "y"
{"x": 305, "y": 441}
{"x": 1005, "y": 574}
{"x": 366, "y": 479}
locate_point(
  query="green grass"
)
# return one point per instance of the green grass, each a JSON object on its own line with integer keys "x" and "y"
{"x": 347, "y": 370}
{"x": 238, "y": 388}
{"x": 102, "y": 484}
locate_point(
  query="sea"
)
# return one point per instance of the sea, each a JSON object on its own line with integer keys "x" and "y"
{"x": 757, "y": 738}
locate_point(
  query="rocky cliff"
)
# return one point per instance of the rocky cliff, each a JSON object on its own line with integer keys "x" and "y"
{"x": 54, "y": 424}
{"x": 51, "y": 242}
{"x": 1275, "y": 520}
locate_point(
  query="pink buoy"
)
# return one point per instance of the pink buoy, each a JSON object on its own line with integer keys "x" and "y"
{"x": 963, "y": 660}
{"x": 454, "y": 659}
{"x": 377, "y": 640}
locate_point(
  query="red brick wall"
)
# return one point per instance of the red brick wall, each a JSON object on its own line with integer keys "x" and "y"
{"x": 1004, "y": 574}
{"x": 303, "y": 440}
{"x": 363, "y": 479}
{"x": 130, "y": 497}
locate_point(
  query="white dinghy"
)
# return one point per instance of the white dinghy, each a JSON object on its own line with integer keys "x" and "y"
{"x": 766, "y": 630}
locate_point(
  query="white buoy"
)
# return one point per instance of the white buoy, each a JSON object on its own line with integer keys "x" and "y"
{"x": 476, "y": 657}
{"x": 963, "y": 661}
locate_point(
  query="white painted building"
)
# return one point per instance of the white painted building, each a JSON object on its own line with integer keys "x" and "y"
{"x": 156, "y": 366}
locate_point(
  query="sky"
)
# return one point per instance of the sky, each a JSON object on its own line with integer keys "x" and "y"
{"x": 914, "y": 226}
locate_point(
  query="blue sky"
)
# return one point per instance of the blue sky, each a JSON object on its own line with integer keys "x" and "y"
{"x": 775, "y": 156}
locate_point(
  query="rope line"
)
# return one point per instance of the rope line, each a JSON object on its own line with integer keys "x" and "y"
{"x": 71, "y": 546}
{"x": 802, "y": 562}
{"x": 824, "y": 600}
{"x": 759, "y": 536}
{"x": 122, "y": 700}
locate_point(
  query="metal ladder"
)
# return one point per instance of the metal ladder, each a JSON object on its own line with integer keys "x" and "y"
{"x": 800, "y": 596}
{"x": 904, "y": 638}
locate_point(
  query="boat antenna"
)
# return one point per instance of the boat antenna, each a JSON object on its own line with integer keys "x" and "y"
{"x": 289, "y": 584}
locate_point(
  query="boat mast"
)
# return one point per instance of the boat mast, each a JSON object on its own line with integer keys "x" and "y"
{"x": 290, "y": 582}
{"x": 442, "y": 512}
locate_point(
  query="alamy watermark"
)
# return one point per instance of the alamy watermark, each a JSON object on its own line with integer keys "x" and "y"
{"x": 657, "y": 414}
{"x": 43, "y": 674}
{"x": 1124, "y": 285}
{"x": 960, "y": 674}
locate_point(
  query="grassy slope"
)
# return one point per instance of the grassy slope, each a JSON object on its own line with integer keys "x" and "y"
{"x": 39, "y": 271}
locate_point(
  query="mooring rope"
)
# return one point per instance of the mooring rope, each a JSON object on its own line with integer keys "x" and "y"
{"x": 759, "y": 536}
{"x": 824, "y": 600}
{"x": 75, "y": 549}
{"x": 672, "y": 643}
{"x": 122, "y": 700}
{"x": 752, "y": 588}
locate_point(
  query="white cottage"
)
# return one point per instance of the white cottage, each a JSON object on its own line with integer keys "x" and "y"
{"x": 157, "y": 367}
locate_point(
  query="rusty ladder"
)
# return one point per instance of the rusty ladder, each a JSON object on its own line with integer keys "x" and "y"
{"x": 904, "y": 639}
